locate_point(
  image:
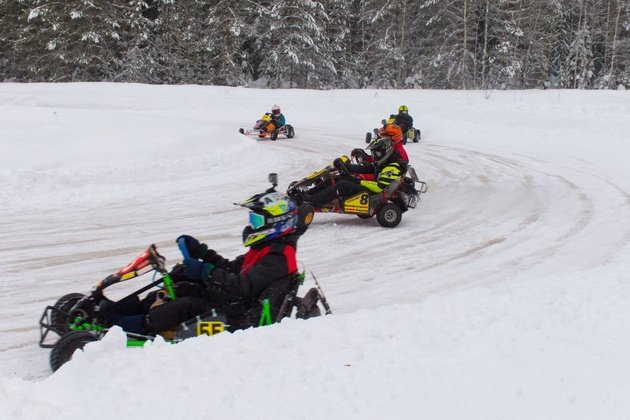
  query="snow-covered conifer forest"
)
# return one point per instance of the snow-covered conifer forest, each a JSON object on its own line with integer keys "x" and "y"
{"x": 438, "y": 44}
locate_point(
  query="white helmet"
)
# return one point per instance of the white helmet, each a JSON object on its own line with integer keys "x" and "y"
{"x": 275, "y": 110}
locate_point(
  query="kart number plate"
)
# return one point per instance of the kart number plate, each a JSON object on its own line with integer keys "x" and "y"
{"x": 210, "y": 327}
{"x": 359, "y": 203}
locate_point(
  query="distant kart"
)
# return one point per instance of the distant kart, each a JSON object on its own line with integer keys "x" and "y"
{"x": 413, "y": 134}
{"x": 388, "y": 205}
{"x": 265, "y": 127}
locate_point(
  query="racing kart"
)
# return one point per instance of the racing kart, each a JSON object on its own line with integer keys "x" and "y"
{"x": 76, "y": 319}
{"x": 388, "y": 205}
{"x": 266, "y": 127}
{"x": 413, "y": 134}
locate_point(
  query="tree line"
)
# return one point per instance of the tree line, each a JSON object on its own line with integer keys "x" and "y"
{"x": 438, "y": 44}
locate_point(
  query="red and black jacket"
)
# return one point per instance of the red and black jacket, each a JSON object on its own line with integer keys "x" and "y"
{"x": 265, "y": 271}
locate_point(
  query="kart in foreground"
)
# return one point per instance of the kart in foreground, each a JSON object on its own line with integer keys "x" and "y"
{"x": 388, "y": 205}
{"x": 77, "y": 319}
{"x": 266, "y": 127}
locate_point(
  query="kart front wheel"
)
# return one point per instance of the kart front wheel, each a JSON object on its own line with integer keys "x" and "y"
{"x": 274, "y": 135}
{"x": 70, "y": 342}
{"x": 58, "y": 317}
{"x": 389, "y": 215}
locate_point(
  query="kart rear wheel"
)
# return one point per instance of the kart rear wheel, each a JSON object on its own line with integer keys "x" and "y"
{"x": 70, "y": 342}
{"x": 58, "y": 317}
{"x": 290, "y": 132}
{"x": 368, "y": 137}
{"x": 241, "y": 130}
{"x": 416, "y": 136}
{"x": 307, "y": 306}
{"x": 389, "y": 215}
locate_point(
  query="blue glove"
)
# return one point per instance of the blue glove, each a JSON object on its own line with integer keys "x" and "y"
{"x": 196, "y": 270}
{"x": 195, "y": 249}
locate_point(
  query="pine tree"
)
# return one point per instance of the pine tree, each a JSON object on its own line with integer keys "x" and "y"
{"x": 294, "y": 47}
{"x": 383, "y": 42}
{"x": 340, "y": 33}
{"x": 79, "y": 40}
{"x": 13, "y": 26}
{"x": 228, "y": 29}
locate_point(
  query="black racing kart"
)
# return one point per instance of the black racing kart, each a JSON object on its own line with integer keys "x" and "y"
{"x": 76, "y": 319}
{"x": 388, "y": 205}
{"x": 413, "y": 134}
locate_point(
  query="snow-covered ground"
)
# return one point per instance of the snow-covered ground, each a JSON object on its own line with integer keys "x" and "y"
{"x": 504, "y": 295}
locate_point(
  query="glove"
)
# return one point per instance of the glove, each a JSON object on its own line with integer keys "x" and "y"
{"x": 340, "y": 165}
{"x": 196, "y": 270}
{"x": 211, "y": 256}
{"x": 195, "y": 249}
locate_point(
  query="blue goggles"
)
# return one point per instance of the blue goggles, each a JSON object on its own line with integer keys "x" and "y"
{"x": 256, "y": 221}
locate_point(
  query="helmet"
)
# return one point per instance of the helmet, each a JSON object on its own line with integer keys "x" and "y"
{"x": 381, "y": 150}
{"x": 271, "y": 215}
{"x": 275, "y": 110}
{"x": 359, "y": 156}
{"x": 403, "y": 108}
{"x": 392, "y": 131}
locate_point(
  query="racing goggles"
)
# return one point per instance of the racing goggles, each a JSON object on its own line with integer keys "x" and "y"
{"x": 256, "y": 221}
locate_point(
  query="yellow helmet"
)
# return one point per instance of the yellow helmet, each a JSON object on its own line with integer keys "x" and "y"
{"x": 403, "y": 108}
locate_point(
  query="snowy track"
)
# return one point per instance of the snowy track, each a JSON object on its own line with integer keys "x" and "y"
{"x": 494, "y": 212}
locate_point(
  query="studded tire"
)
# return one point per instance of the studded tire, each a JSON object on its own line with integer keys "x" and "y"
{"x": 389, "y": 215}
{"x": 290, "y": 132}
{"x": 69, "y": 343}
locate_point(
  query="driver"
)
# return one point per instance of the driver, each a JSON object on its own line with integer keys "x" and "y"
{"x": 233, "y": 287}
{"x": 403, "y": 119}
{"x": 277, "y": 117}
{"x": 385, "y": 166}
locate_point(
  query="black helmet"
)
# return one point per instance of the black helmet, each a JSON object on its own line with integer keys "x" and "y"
{"x": 359, "y": 155}
{"x": 381, "y": 149}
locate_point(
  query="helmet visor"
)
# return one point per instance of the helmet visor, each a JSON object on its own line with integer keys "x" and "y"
{"x": 256, "y": 221}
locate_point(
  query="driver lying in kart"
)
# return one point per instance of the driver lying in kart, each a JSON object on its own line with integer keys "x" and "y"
{"x": 235, "y": 288}
{"x": 277, "y": 117}
{"x": 391, "y": 130}
{"x": 384, "y": 165}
